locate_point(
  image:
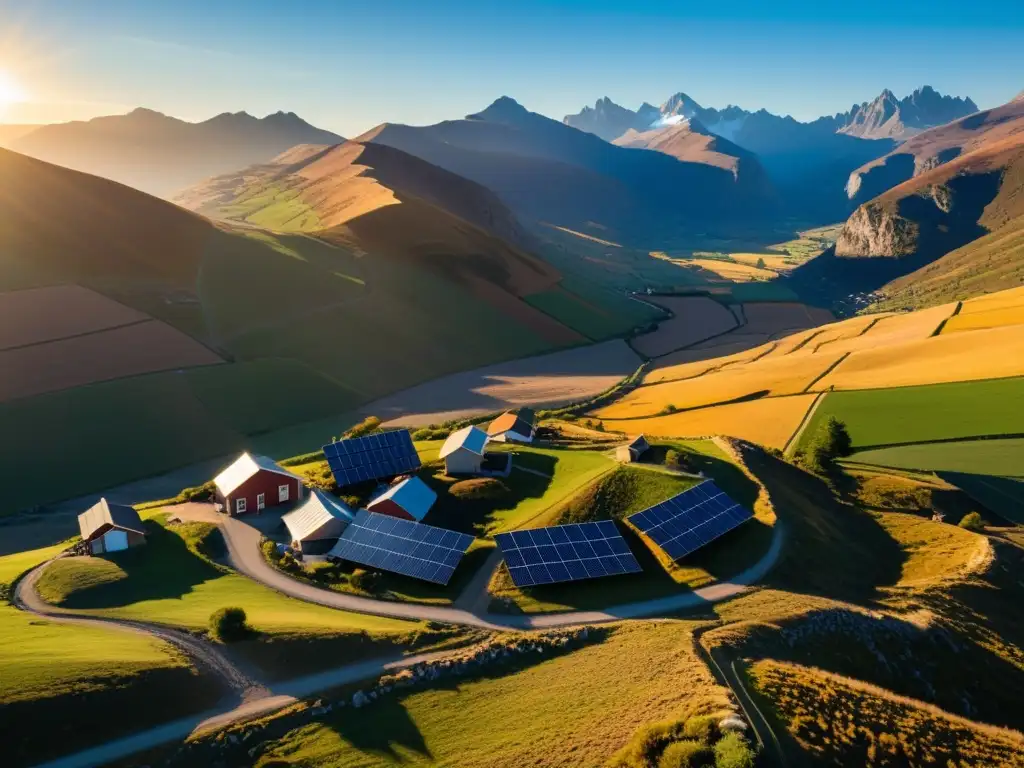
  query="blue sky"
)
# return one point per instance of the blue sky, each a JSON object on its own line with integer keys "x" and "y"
{"x": 349, "y": 66}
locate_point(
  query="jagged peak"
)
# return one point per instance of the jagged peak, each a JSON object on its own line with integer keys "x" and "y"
{"x": 502, "y": 108}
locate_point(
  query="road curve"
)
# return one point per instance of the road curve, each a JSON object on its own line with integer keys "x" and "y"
{"x": 204, "y": 653}
{"x": 245, "y": 556}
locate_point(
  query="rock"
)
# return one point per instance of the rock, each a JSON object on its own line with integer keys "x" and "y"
{"x": 733, "y": 723}
{"x": 358, "y": 699}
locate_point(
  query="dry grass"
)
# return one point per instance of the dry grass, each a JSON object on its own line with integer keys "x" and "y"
{"x": 992, "y": 311}
{"x": 934, "y": 551}
{"x": 728, "y": 270}
{"x": 667, "y": 371}
{"x": 841, "y": 721}
{"x": 770, "y": 376}
{"x": 771, "y": 260}
{"x": 986, "y": 354}
{"x": 769, "y": 422}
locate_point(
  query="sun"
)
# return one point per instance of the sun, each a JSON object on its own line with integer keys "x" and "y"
{"x": 10, "y": 91}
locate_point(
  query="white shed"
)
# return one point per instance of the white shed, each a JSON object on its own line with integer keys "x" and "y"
{"x": 107, "y": 527}
{"x": 322, "y": 518}
{"x": 463, "y": 451}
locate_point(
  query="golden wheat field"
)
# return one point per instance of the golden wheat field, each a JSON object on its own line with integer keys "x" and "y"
{"x": 990, "y": 353}
{"x": 730, "y": 270}
{"x": 769, "y": 421}
{"x": 992, "y": 311}
{"x": 771, "y": 260}
{"x": 688, "y": 370}
{"x": 768, "y": 376}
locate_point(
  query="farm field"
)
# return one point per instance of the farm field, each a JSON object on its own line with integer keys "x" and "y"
{"x": 980, "y": 457}
{"x": 770, "y": 376}
{"x": 991, "y": 311}
{"x": 904, "y": 415}
{"x": 597, "y": 313}
{"x": 696, "y": 318}
{"x": 639, "y": 673}
{"x": 552, "y": 379}
{"x": 768, "y": 421}
{"x": 726, "y": 269}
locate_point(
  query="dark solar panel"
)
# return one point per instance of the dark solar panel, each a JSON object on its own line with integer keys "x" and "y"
{"x": 360, "y": 459}
{"x": 402, "y": 546}
{"x": 566, "y": 553}
{"x": 691, "y": 519}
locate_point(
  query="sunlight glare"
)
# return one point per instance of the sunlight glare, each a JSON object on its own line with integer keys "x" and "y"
{"x": 10, "y": 92}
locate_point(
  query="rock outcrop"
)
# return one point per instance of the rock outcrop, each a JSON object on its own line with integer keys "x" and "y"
{"x": 875, "y": 230}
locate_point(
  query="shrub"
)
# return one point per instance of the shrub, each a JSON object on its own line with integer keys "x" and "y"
{"x": 270, "y": 550}
{"x": 686, "y": 754}
{"x": 229, "y": 625}
{"x": 366, "y": 581}
{"x": 667, "y": 410}
{"x": 363, "y": 428}
{"x": 324, "y": 572}
{"x": 732, "y": 751}
{"x": 202, "y": 492}
{"x": 702, "y": 728}
{"x": 479, "y": 488}
{"x": 673, "y": 458}
{"x": 972, "y": 522}
{"x": 830, "y": 442}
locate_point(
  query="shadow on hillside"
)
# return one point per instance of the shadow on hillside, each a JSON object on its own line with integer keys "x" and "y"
{"x": 381, "y": 729}
{"x": 162, "y": 569}
{"x": 832, "y": 548}
{"x": 1001, "y": 496}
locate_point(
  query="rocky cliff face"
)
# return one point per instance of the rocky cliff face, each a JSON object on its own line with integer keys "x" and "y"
{"x": 874, "y": 230}
{"x": 890, "y": 118}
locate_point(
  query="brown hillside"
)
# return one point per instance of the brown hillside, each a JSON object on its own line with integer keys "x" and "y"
{"x": 57, "y": 224}
{"x": 684, "y": 143}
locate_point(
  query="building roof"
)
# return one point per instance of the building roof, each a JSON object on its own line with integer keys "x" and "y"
{"x": 639, "y": 443}
{"x": 244, "y": 467}
{"x": 472, "y": 438}
{"x": 411, "y": 494}
{"x": 318, "y": 510}
{"x": 520, "y": 422}
{"x": 103, "y": 513}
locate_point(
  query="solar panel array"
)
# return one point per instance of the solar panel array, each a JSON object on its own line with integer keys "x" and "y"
{"x": 368, "y": 458}
{"x": 566, "y": 553}
{"x": 691, "y": 519}
{"x": 402, "y": 546}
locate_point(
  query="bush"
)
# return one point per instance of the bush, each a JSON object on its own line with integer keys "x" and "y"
{"x": 686, "y": 754}
{"x": 324, "y": 572}
{"x": 479, "y": 488}
{"x": 202, "y": 492}
{"x": 270, "y": 550}
{"x": 366, "y": 581}
{"x": 972, "y": 522}
{"x": 702, "y": 728}
{"x": 732, "y": 751}
{"x": 667, "y": 410}
{"x": 365, "y": 427}
{"x": 673, "y": 458}
{"x": 830, "y": 442}
{"x": 229, "y": 625}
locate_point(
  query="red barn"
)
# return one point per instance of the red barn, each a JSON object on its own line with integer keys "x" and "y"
{"x": 255, "y": 482}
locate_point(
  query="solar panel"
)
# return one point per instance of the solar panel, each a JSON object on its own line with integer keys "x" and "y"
{"x": 566, "y": 553}
{"x": 384, "y": 454}
{"x": 402, "y": 546}
{"x": 691, "y": 519}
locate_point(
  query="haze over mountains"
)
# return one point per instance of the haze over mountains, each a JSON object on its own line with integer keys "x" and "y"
{"x": 161, "y": 155}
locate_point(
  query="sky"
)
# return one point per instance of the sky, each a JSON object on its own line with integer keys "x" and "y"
{"x": 348, "y": 66}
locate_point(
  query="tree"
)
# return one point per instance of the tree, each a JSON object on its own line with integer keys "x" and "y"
{"x": 760, "y": 264}
{"x": 672, "y": 458}
{"x": 830, "y": 442}
{"x": 229, "y": 624}
{"x": 972, "y": 522}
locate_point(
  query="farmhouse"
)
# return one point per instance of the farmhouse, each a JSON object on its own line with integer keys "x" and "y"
{"x": 513, "y": 426}
{"x": 633, "y": 450}
{"x": 107, "y": 527}
{"x": 463, "y": 451}
{"x": 255, "y": 482}
{"x": 315, "y": 525}
{"x": 409, "y": 499}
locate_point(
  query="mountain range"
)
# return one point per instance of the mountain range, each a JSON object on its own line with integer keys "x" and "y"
{"x": 161, "y": 155}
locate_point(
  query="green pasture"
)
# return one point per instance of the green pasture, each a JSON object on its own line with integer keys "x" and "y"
{"x": 979, "y": 457}
{"x": 597, "y": 312}
{"x": 881, "y": 417}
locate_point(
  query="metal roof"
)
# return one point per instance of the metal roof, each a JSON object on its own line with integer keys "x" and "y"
{"x": 244, "y": 467}
{"x": 103, "y": 513}
{"x": 321, "y": 513}
{"x": 411, "y": 494}
{"x": 520, "y": 422}
{"x": 472, "y": 438}
{"x": 639, "y": 442}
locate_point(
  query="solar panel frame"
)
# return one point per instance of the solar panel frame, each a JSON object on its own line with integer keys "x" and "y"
{"x": 359, "y": 459}
{"x": 690, "y": 520}
{"x": 562, "y": 553}
{"x": 402, "y": 546}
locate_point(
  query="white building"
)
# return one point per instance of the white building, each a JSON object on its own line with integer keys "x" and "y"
{"x": 318, "y": 523}
{"x": 463, "y": 451}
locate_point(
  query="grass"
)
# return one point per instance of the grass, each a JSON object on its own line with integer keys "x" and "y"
{"x": 641, "y": 673}
{"x": 904, "y": 415}
{"x": 101, "y": 672}
{"x": 979, "y": 457}
{"x": 842, "y": 721}
{"x": 932, "y": 551}
{"x": 169, "y": 581}
{"x": 596, "y": 312}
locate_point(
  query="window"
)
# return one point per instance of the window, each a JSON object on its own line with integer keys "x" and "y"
{"x": 261, "y": 501}
{"x": 239, "y": 506}
{"x": 282, "y": 492}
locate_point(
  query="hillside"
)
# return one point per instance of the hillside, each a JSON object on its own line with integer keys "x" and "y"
{"x": 398, "y": 292}
{"x": 160, "y": 154}
{"x": 11, "y": 133}
{"x": 547, "y": 171}
{"x": 934, "y": 147}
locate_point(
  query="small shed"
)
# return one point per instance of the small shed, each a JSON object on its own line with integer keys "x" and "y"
{"x": 252, "y": 483}
{"x": 315, "y": 525}
{"x": 409, "y": 498}
{"x": 463, "y": 451}
{"x": 107, "y": 527}
{"x": 633, "y": 450}
{"x": 513, "y": 426}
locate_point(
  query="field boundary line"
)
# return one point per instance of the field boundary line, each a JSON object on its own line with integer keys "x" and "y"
{"x": 794, "y": 439}
{"x": 826, "y": 372}
{"x": 939, "y": 328}
{"x": 942, "y": 440}
{"x": 95, "y": 332}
